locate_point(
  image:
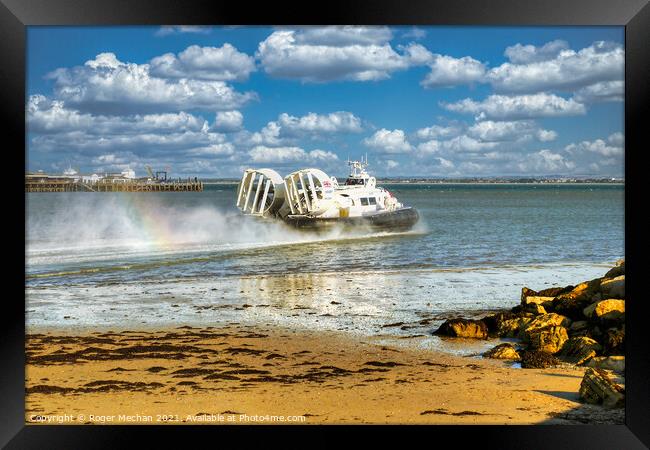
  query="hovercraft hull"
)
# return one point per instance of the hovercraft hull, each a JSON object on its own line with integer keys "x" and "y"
{"x": 402, "y": 219}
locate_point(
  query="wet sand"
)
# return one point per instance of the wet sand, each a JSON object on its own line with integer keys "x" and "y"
{"x": 240, "y": 374}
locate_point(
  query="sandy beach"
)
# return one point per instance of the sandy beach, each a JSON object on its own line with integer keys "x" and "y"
{"x": 256, "y": 375}
{"x": 325, "y": 225}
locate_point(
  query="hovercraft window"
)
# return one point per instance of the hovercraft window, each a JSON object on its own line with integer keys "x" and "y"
{"x": 364, "y": 202}
{"x": 373, "y": 200}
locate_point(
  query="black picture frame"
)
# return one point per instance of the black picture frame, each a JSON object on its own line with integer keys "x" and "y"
{"x": 16, "y": 15}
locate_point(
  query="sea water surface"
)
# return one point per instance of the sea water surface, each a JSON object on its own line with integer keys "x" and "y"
{"x": 122, "y": 260}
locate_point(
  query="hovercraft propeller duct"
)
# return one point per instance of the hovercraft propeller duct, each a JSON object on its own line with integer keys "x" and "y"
{"x": 309, "y": 191}
{"x": 263, "y": 192}
{"x": 260, "y": 192}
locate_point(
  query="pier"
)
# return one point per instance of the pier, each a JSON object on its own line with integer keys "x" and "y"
{"x": 39, "y": 183}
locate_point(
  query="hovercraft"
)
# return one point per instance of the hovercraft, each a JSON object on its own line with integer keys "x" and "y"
{"x": 310, "y": 199}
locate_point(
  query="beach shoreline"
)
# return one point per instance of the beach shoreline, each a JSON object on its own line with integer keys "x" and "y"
{"x": 261, "y": 374}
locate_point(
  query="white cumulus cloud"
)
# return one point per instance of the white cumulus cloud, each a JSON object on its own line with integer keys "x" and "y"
{"x": 280, "y": 155}
{"x": 428, "y": 148}
{"x": 386, "y": 141}
{"x": 466, "y": 143}
{"x": 336, "y": 122}
{"x": 223, "y": 63}
{"x": 447, "y": 71}
{"x": 48, "y": 116}
{"x": 228, "y": 121}
{"x": 613, "y": 146}
{"x": 213, "y": 150}
{"x": 509, "y": 131}
{"x": 343, "y": 36}
{"x": 546, "y": 135}
{"x": 438, "y": 132}
{"x": 545, "y": 162}
{"x": 106, "y": 84}
{"x": 535, "y": 71}
{"x": 503, "y": 107}
{"x": 330, "y": 53}
{"x": 604, "y": 91}
{"x": 526, "y": 54}
{"x": 288, "y": 128}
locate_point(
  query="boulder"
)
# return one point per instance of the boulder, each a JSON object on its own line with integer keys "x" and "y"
{"x": 549, "y": 339}
{"x": 577, "y": 350}
{"x": 613, "y": 287}
{"x": 466, "y": 328}
{"x": 572, "y": 303}
{"x": 614, "y": 341}
{"x": 615, "y": 363}
{"x": 526, "y": 292}
{"x": 618, "y": 270}
{"x": 583, "y": 291}
{"x": 550, "y": 319}
{"x": 543, "y": 321}
{"x": 612, "y": 309}
{"x": 579, "y": 327}
{"x": 503, "y": 351}
{"x": 537, "y": 300}
{"x": 555, "y": 291}
{"x": 570, "y": 307}
{"x": 534, "y": 308}
{"x": 596, "y": 333}
{"x": 538, "y": 360}
{"x": 598, "y": 388}
{"x": 596, "y": 297}
{"x": 544, "y": 297}
{"x": 548, "y": 292}
{"x": 507, "y": 324}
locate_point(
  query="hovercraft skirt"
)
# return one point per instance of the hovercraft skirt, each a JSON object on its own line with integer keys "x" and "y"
{"x": 400, "y": 220}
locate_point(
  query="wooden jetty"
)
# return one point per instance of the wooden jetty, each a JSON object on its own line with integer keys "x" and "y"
{"x": 52, "y": 184}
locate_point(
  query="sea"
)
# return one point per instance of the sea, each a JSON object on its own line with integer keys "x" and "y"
{"x": 118, "y": 261}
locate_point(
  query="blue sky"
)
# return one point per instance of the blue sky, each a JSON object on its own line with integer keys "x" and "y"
{"x": 420, "y": 101}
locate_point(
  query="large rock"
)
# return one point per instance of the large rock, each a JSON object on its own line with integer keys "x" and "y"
{"x": 466, "y": 328}
{"x": 579, "y": 328}
{"x": 507, "y": 324}
{"x": 543, "y": 321}
{"x": 538, "y": 360}
{"x": 614, "y": 341}
{"x": 537, "y": 300}
{"x": 583, "y": 291}
{"x": 570, "y": 308}
{"x": 549, "y": 339}
{"x": 503, "y": 351}
{"x": 615, "y": 363}
{"x": 598, "y": 388}
{"x": 527, "y": 292}
{"x": 577, "y": 350}
{"x": 572, "y": 303}
{"x": 544, "y": 297}
{"x": 613, "y": 287}
{"x": 555, "y": 291}
{"x": 535, "y": 308}
{"x": 548, "y": 292}
{"x": 618, "y": 270}
{"x": 612, "y": 309}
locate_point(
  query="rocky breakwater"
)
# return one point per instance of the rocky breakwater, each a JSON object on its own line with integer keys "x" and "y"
{"x": 582, "y": 325}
